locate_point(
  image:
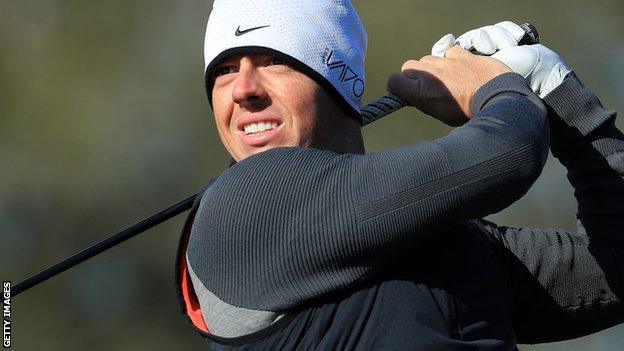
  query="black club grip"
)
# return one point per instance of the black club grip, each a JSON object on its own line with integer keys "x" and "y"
{"x": 531, "y": 35}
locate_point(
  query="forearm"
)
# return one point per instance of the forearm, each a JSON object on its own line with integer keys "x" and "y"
{"x": 586, "y": 141}
{"x": 565, "y": 285}
{"x": 476, "y": 170}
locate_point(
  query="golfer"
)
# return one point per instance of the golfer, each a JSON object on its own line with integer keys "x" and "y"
{"x": 309, "y": 243}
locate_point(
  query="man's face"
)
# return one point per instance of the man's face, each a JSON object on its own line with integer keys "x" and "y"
{"x": 260, "y": 103}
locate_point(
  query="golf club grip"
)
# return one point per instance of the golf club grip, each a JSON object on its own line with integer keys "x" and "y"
{"x": 389, "y": 103}
{"x": 385, "y": 105}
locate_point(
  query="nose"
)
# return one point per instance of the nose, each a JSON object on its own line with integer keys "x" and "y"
{"x": 249, "y": 92}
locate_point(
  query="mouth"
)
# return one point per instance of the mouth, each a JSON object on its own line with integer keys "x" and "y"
{"x": 259, "y": 132}
{"x": 259, "y": 127}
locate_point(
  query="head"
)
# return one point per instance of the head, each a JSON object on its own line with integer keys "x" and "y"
{"x": 285, "y": 73}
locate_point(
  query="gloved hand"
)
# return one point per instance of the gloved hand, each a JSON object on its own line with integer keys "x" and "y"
{"x": 541, "y": 67}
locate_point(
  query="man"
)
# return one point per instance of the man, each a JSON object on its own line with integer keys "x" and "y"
{"x": 309, "y": 243}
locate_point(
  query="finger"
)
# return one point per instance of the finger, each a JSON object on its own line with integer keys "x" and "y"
{"x": 409, "y": 66}
{"x": 413, "y": 68}
{"x": 456, "y": 51}
{"x": 465, "y": 40}
{"x": 483, "y": 44}
{"x": 440, "y": 47}
{"x": 407, "y": 88}
{"x": 520, "y": 59}
{"x": 429, "y": 59}
{"x": 513, "y": 29}
{"x": 500, "y": 37}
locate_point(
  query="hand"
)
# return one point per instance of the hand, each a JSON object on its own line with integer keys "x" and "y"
{"x": 542, "y": 68}
{"x": 444, "y": 87}
{"x": 489, "y": 39}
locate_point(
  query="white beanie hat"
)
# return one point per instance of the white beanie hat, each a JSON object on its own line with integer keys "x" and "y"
{"x": 323, "y": 39}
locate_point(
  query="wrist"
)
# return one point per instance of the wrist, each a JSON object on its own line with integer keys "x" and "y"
{"x": 506, "y": 82}
{"x": 576, "y": 106}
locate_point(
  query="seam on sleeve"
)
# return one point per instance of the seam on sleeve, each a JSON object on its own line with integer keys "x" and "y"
{"x": 593, "y": 301}
{"x": 503, "y": 163}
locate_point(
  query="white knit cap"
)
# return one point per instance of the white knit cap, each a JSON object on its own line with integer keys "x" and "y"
{"x": 324, "y": 39}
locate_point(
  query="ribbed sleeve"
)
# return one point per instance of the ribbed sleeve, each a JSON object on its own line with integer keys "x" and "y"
{"x": 574, "y": 112}
{"x": 290, "y": 225}
{"x": 563, "y": 285}
{"x": 586, "y": 141}
{"x": 577, "y": 105}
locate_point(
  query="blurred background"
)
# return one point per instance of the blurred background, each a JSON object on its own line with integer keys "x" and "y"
{"x": 104, "y": 120}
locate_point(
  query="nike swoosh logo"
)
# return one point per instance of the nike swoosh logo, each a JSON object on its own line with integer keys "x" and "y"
{"x": 240, "y": 32}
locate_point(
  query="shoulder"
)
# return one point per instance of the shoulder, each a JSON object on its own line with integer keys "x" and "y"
{"x": 290, "y": 156}
{"x": 281, "y": 175}
{"x": 285, "y": 163}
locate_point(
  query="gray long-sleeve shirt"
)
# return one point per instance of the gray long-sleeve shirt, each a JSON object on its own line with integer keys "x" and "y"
{"x": 290, "y": 228}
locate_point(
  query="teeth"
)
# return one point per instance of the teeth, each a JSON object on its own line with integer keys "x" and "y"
{"x": 259, "y": 127}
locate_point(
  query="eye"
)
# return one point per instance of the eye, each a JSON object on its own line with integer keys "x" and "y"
{"x": 222, "y": 71}
{"x": 275, "y": 61}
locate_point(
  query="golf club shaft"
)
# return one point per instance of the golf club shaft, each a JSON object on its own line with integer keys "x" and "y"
{"x": 105, "y": 244}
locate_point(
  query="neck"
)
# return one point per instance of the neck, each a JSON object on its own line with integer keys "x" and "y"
{"x": 346, "y": 139}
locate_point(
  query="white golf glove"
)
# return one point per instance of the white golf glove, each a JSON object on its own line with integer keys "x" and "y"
{"x": 541, "y": 67}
